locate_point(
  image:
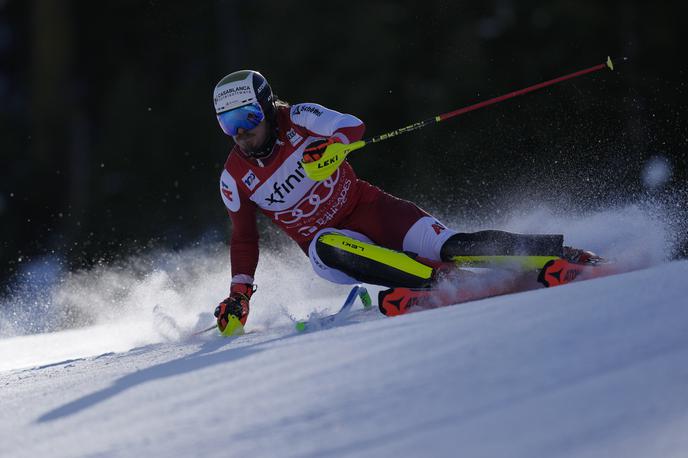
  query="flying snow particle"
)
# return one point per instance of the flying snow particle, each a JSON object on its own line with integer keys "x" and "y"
{"x": 656, "y": 172}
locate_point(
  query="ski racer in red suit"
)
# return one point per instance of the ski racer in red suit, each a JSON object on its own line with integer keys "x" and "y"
{"x": 264, "y": 172}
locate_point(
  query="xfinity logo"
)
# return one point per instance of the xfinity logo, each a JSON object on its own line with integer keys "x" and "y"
{"x": 281, "y": 189}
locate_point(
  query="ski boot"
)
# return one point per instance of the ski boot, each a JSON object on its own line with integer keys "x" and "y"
{"x": 583, "y": 257}
{"x": 399, "y": 300}
{"x": 573, "y": 263}
{"x": 453, "y": 285}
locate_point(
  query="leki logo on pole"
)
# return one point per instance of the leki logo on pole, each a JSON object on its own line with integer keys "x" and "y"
{"x": 327, "y": 162}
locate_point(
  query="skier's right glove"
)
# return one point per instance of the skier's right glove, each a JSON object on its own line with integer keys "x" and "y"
{"x": 316, "y": 149}
{"x": 234, "y": 308}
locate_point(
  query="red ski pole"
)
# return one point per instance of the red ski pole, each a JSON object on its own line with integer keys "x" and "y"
{"x": 335, "y": 153}
{"x": 609, "y": 64}
{"x": 443, "y": 117}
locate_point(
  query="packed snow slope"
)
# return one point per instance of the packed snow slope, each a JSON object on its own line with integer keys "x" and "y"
{"x": 596, "y": 368}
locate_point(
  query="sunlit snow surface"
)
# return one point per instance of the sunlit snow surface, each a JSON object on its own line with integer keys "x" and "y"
{"x": 589, "y": 369}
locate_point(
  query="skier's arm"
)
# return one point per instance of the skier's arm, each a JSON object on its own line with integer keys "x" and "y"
{"x": 232, "y": 312}
{"x": 243, "y": 248}
{"x": 324, "y": 122}
{"x": 244, "y": 241}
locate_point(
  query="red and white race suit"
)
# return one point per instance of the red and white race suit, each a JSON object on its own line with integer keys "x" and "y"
{"x": 301, "y": 207}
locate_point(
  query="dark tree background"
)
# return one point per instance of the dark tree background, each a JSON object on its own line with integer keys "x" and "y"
{"x": 109, "y": 142}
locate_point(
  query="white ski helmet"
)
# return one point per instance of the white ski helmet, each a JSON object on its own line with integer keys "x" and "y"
{"x": 242, "y": 88}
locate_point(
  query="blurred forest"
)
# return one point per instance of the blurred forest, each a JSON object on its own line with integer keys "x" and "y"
{"x": 109, "y": 142}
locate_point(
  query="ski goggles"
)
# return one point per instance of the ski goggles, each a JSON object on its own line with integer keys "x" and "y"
{"x": 246, "y": 117}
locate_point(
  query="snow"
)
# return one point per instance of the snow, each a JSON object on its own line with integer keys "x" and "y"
{"x": 591, "y": 369}
{"x": 656, "y": 172}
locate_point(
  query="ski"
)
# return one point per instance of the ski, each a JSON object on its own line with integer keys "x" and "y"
{"x": 397, "y": 301}
{"x": 560, "y": 271}
{"x": 315, "y": 322}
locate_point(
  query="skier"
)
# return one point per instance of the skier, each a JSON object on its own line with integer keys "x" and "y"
{"x": 351, "y": 231}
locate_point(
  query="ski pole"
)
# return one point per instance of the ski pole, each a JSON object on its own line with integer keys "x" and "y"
{"x": 197, "y": 333}
{"x": 335, "y": 153}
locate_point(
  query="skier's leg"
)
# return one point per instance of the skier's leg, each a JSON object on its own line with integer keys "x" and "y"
{"x": 344, "y": 256}
{"x": 401, "y": 225}
{"x": 426, "y": 237}
{"x": 331, "y": 272}
{"x": 397, "y": 224}
{"x": 501, "y": 243}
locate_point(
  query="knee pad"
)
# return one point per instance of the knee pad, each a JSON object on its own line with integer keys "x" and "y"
{"x": 370, "y": 263}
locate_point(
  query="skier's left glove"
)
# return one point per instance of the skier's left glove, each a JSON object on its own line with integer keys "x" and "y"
{"x": 235, "y": 307}
{"x": 315, "y": 150}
